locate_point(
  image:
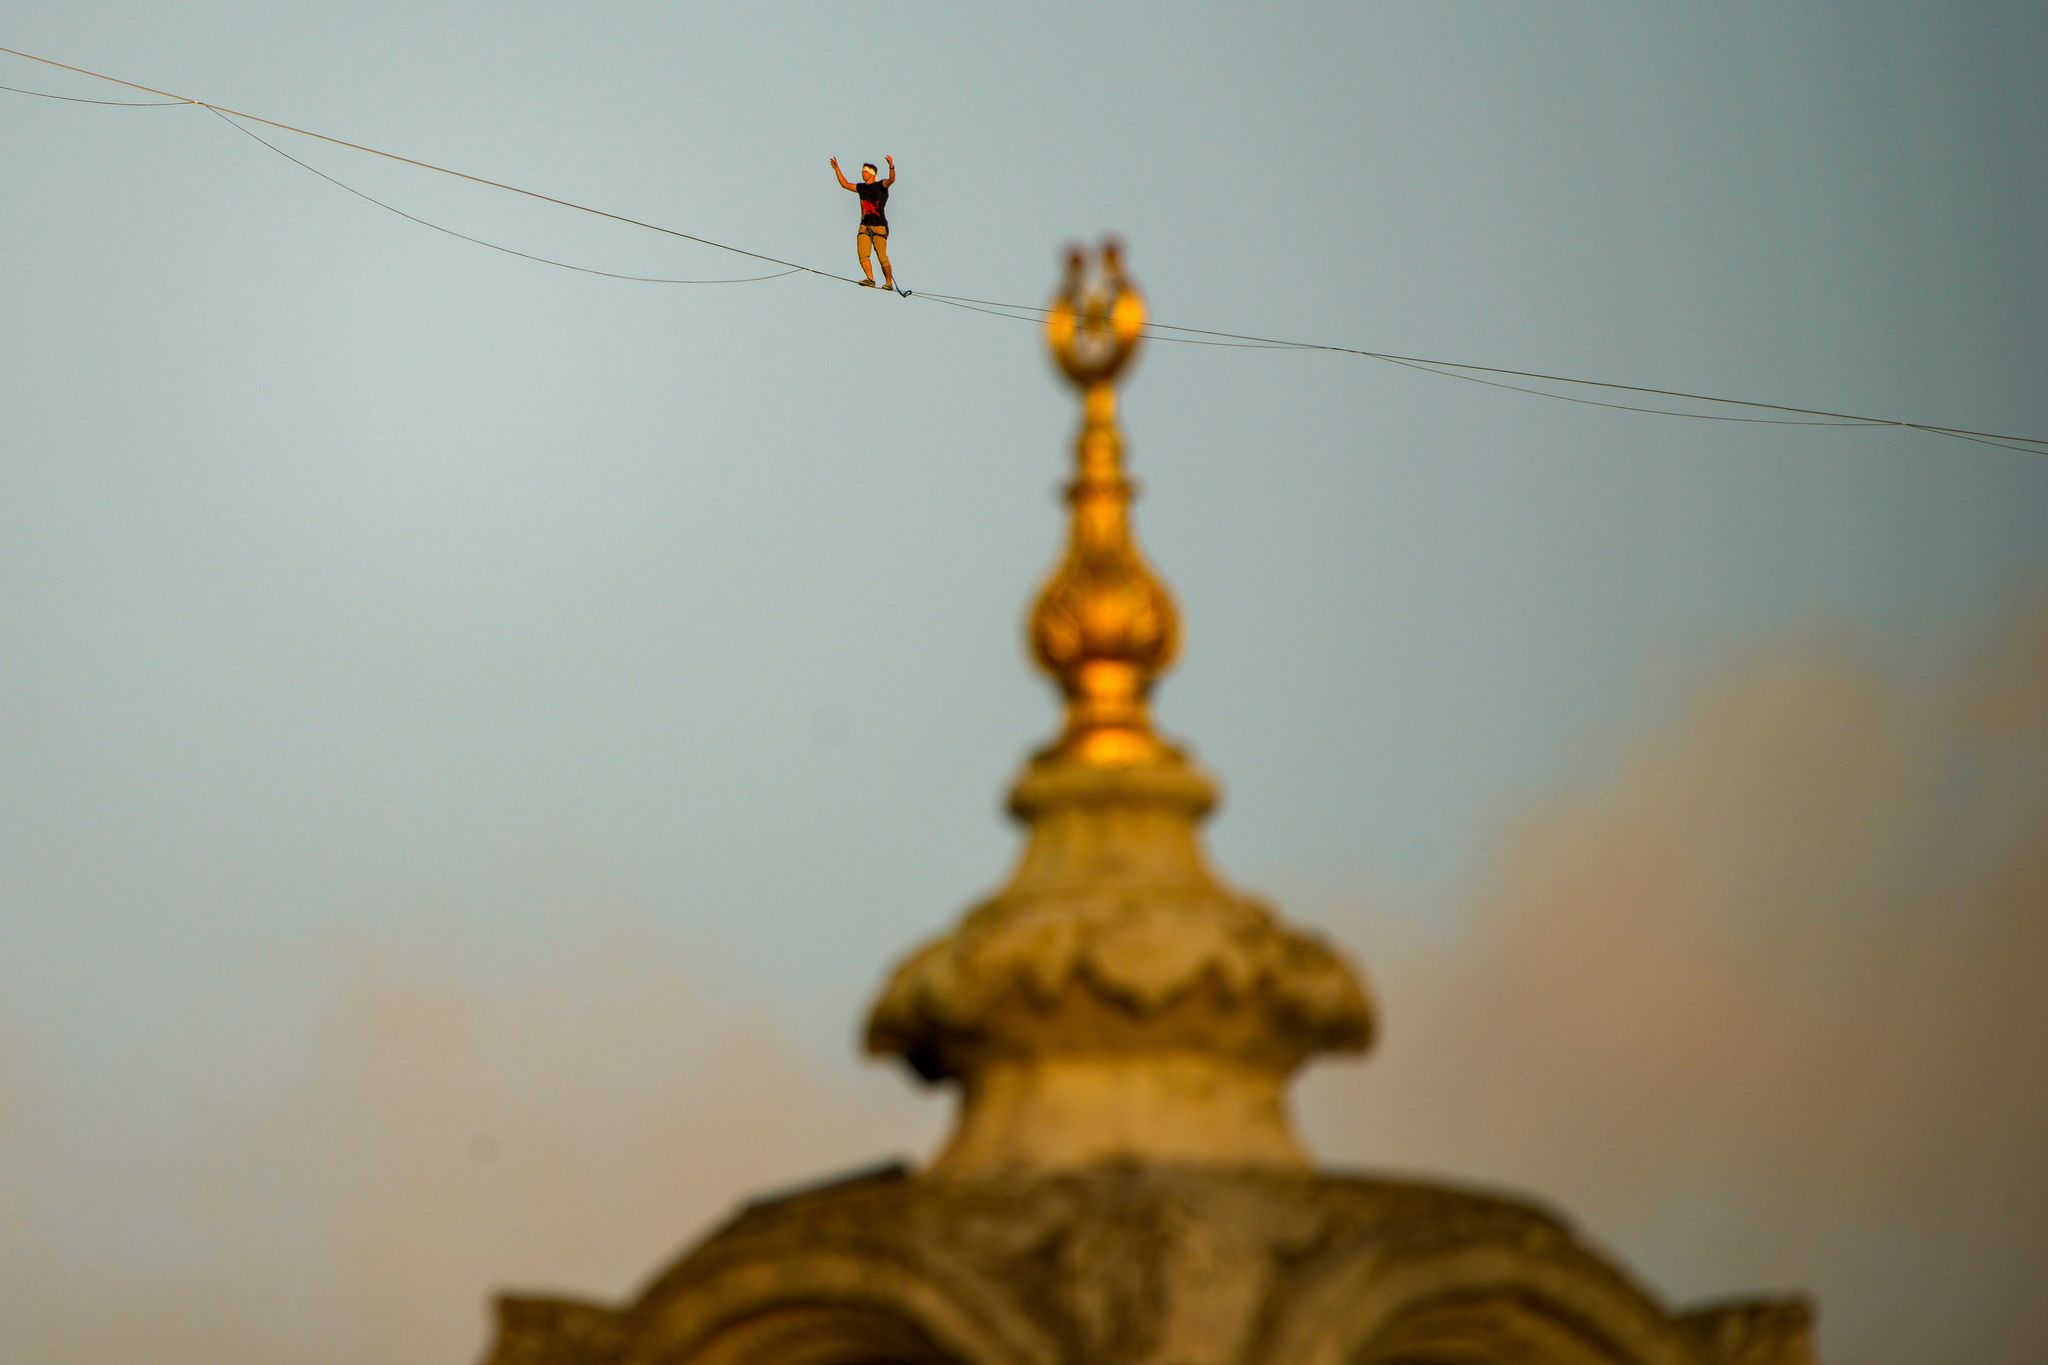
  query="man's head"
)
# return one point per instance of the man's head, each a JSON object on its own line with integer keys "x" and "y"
{"x": 867, "y": 170}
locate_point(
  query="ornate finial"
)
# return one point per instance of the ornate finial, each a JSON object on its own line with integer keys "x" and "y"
{"x": 1115, "y": 1000}
{"x": 1103, "y": 625}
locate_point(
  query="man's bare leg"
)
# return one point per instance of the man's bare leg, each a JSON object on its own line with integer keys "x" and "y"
{"x": 866, "y": 266}
{"x": 882, "y": 250}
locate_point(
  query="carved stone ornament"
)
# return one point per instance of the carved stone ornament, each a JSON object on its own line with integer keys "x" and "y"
{"x": 1140, "y": 1264}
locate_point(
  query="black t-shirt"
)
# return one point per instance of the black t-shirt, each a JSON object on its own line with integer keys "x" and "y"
{"x": 873, "y": 194}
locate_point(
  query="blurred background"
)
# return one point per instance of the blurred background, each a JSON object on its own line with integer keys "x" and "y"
{"x": 474, "y": 736}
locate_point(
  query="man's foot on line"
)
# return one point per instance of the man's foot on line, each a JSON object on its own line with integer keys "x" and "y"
{"x": 867, "y": 284}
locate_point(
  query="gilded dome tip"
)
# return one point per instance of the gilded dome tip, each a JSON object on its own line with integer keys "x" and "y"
{"x": 1103, "y": 626}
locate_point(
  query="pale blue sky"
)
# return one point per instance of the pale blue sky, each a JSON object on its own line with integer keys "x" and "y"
{"x": 357, "y": 583}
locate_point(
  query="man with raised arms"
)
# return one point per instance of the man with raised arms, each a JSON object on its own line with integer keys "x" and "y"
{"x": 873, "y": 236}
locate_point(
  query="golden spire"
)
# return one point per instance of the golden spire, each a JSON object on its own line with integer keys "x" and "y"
{"x": 1103, "y": 625}
{"x": 1115, "y": 999}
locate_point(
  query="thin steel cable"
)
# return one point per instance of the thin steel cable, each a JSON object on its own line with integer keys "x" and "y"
{"x": 430, "y": 166}
{"x": 951, "y": 302}
{"x": 509, "y": 251}
{"x": 1632, "y": 407}
{"x": 1992, "y": 441}
{"x": 2036, "y": 444}
{"x": 78, "y": 99}
{"x": 2031, "y": 444}
{"x": 1861, "y": 423}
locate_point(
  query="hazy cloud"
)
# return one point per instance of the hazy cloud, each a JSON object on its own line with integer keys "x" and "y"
{"x": 442, "y": 1138}
{"x": 1761, "y": 1000}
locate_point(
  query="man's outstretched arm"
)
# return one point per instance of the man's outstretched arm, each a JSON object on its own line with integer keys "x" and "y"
{"x": 844, "y": 183}
{"x": 892, "y": 170}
